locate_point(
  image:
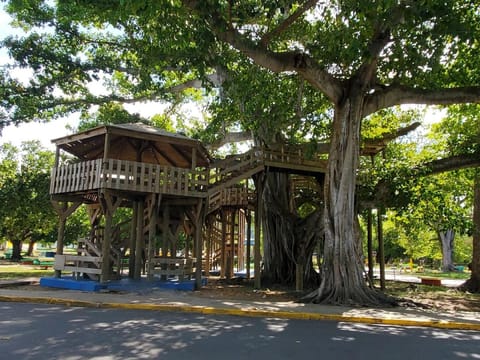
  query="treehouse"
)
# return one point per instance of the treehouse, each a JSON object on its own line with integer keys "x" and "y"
{"x": 172, "y": 186}
{"x": 161, "y": 176}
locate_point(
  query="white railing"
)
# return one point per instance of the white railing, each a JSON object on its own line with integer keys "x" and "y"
{"x": 128, "y": 175}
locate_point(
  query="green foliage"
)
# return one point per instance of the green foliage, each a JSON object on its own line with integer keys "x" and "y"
{"x": 107, "y": 114}
{"x": 26, "y": 213}
{"x": 460, "y": 129}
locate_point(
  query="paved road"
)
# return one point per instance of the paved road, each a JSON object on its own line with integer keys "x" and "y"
{"x": 33, "y": 331}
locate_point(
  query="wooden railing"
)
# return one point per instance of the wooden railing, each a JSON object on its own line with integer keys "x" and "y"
{"x": 167, "y": 267}
{"x": 78, "y": 264}
{"x": 152, "y": 178}
{"x": 294, "y": 159}
{"x": 128, "y": 175}
{"x": 225, "y": 169}
{"x": 233, "y": 196}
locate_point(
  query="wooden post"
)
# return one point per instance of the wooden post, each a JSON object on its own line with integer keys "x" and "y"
{"x": 63, "y": 211}
{"x": 370, "y": 245}
{"x": 199, "y": 219}
{"x": 231, "y": 252}
{"x": 152, "y": 231}
{"x": 209, "y": 246}
{"x": 109, "y": 206}
{"x": 194, "y": 158}
{"x": 107, "y": 237}
{"x": 381, "y": 253}
{"x": 258, "y": 225}
{"x": 223, "y": 252}
{"x": 133, "y": 241}
{"x": 249, "y": 241}
{"x": 140, "y": 242}
{"x": 299, "y": 270}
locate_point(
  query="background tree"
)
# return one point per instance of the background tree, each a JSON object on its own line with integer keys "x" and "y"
{"x": 26, "y": 214}
{"x": 462, "y": 132}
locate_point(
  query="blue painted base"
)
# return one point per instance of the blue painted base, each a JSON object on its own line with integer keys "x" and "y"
{"x": 71, "y": 284}
{"x": 126, "y": 284}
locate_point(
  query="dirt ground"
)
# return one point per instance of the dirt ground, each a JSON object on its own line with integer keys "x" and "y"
{"x": 410, "y": 294}
{"x": 435, "y": 298}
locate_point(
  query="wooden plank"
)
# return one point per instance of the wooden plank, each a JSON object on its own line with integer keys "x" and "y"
{"x": 80, "y": 269}
{"x": 82, "y": 258}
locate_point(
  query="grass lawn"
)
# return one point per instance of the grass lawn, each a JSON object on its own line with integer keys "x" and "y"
{"x": 17, "y": 271}
{"x": 447, "y": 275}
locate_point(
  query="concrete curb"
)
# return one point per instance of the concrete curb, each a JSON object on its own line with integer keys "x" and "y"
{"x": 439, "y": 324}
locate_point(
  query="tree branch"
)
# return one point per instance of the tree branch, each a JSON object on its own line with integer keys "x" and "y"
{"x": 398, "y": 95}
{"x": 287, "y": 22}
{"x": 451, "y": 163}
{"x": 231, "y": 137}
{"x": 279, "y": 62}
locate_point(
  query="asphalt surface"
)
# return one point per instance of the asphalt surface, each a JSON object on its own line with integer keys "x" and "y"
{"x": 190, "y": 301}
{"x": 41, "y": 331}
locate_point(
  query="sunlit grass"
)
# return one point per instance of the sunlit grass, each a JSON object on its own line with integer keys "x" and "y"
{"x": 18, "y": 271}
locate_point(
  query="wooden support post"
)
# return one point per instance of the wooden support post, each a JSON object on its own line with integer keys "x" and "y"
{"x": 107, "y": 237}
{"x": 299, "y": 270}
{"x": 231, "y": 252}
{"x": 109, "y": 204}
{"x": 381, "y": 253}
{"x": 223, "y": 252}
{"x": 209, "y": 246}
{"x": 249, "y": 241}
{"x": 133, "y": 241}
{"x": 199, "y": 219}
{"x": 258, "y": 226}
{"x": 63, "y": 210}
{"x": 370, "y": 245}
{"x": 140, "y": 241}
{"x": 152, "y": 232}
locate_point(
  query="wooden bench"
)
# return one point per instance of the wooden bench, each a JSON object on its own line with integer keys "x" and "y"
{"x": 431, "y": 281}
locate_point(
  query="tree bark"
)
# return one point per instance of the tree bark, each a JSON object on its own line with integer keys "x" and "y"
{"x": 446, "y": 241}
{"x": 289, "y": 241}
{"x": 16, "y": 250}
{"x": 473, "y": 284}
{"x": 342, "y": 275}
{"x": 31, "y": 245}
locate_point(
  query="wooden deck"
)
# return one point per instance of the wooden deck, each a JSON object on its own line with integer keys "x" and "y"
{"x": 131, "y": 176}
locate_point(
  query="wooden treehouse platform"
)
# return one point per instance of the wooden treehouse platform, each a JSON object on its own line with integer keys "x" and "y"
{"x": 172, "y": 185}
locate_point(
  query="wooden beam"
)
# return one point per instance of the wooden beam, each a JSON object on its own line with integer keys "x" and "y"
{"x": 140, "y": 242}
{"x": 63, "y": 210}
{"x": 153, "y": 206}
{"x": 249, "y": 241}
{"x": 200, "y": 214}
{"x": 381, "y": 252}
{"x": 258, "y": 225}
{"x": 109, "y": 204}
{"x": 133, "y": 241}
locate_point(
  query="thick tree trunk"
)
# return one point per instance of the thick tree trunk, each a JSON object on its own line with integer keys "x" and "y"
{"x": 473, "y": 284}
{"x": 16, "y": 250}
{"x": 342, "y": 276}
{"x": 289, "y": 241}
{"x": 31, "y": 245}
{"x": 446, "y": 241}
